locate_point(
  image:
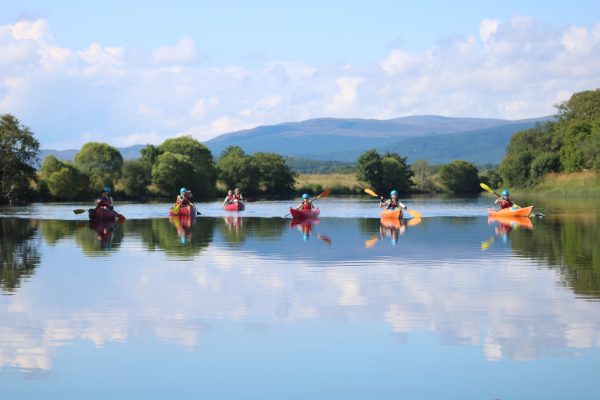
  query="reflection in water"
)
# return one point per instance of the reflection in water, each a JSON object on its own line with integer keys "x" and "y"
{"x": 258, "y": 273}
{"x": 304, "y": 227}
{"x": 183, "y": 225}
{"x": 19, "y": 252}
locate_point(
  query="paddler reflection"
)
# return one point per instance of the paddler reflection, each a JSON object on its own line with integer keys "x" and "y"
{"x": 183, "y": 224}
{"x": 105, "y": 231}
{"x": 234, "y": 223}
{"x": 305, "y": 227}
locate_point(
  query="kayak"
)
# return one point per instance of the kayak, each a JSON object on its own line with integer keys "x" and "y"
{"x": 188, "y": 210}
{"x": 304, "y": 214}
{"x": 102, "y": 214}
{"x": 511, "y": 212}
{"x": 237, "y": 206}
{"x": 396, "y": 213}
{"x": 522, "y": 222}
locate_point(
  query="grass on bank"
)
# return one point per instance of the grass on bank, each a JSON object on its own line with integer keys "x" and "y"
{"x": 340, "y": 183}
{"x": 585, "y": 183}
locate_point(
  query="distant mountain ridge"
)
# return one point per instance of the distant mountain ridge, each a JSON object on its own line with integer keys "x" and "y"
{"x": 433, "y": 138}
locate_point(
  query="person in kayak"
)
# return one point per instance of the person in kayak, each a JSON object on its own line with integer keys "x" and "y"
{"x": 393, "y": 202}
{"x": 306, "y": 203}
{"x": 228, "y": 198}
{"x": 105, "y": 201}
{"x": 504, "y": 201}
{"x": 184, "y": 197}
{"x": 237, "y": 195}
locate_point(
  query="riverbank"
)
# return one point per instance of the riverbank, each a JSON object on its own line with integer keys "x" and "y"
{"x": 577, "y": 184}
{"x": 339, "y": 183}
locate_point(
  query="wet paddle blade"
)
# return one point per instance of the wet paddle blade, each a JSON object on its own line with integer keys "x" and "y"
{"x": 371, "y": 242}
{"x": 414, "y": 213}
{"x": 414, "y": 221}
{"x": 79, "y": 211}
{"x": 370, "y": 192}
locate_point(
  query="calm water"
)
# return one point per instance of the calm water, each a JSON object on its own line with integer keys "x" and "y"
{"x": 248, "y": 306}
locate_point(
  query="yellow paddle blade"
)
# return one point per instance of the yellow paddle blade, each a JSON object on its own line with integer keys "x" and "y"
{"x": 176, "y": 208}
{"x": 372, "y": 193}
{"x": 371, "y": 242}
{"x": 486, "y": 188}
{"x": 485, "y": 245}
{"x": 79, "y": 211}
{"x": 413, "y": 221}
{"x": 414, "y": 213}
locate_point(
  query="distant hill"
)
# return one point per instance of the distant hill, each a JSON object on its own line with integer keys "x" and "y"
{"x": 330, "y": 144}
{"x": 433, "y": 138}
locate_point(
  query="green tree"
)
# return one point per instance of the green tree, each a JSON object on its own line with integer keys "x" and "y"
{"x": 369, "y": 169}
{"x": 543, "y": 164}
{"x": 396, "y": 173}
{"x": 236, "y": 169}
{"x": 202, "y": 176}
{"x": 172, "y": 171}
{"x": 149, "y": 154}
{"x": 460, "y": 177}
{"x": 101, "y": 162}
{"x": 491, "y": 178}
{"x": 422, "y": 178}
{"x": 135, "y": 178}
{"x": 50, "y": 165}
{"x": 275, "y": 175}
{"x": 67, "y": 183}
{"x": 18, "y": 152}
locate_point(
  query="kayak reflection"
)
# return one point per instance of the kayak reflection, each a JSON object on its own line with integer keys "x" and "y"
{"x": 304, "y": 226}
{"x": 183, "y": 224}
{"x": 503, "y": 226}
{"x": 105, "y": 231}
{"x": 392, "y": 228}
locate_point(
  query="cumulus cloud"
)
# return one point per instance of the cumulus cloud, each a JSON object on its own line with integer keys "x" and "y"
{"x": 515, "y": 68}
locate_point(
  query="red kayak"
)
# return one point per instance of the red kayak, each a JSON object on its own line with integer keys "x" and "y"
{"x": 102, "y": 214}
{"x": 304, "y": 214}
{"x": 237, "y": 206}
{"x": 188, "y": 210}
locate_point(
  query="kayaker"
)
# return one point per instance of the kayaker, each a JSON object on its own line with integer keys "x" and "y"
{"x": 393, "y": 202}
{"x": 306, "y": 203}
{"x": 105, "y": 201}
{"x": 237, "y": 196}
{"x": 504, "y": 201}
{"x": 228, "y": 198}
{"x": 184, "y": 197}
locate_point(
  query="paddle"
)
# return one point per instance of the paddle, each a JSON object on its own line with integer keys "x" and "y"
{"x": 414, "y": 213}
{"x": 79, "y": 211}
{"x": 489, "y": 189}
{"x": 325, "y": 193}
{"x": 120, "y": 217}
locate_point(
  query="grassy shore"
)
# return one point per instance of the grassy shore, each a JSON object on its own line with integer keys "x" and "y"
{"x": 575, "y": 184}
{"x": 340, "y": 183}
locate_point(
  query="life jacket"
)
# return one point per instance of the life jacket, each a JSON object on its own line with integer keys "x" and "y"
{"x": 104, "y": 202}
{"x": 306, "y": 206}
{"x": 182, "y": 200}
{"x": 237, "y": 197}
{"x": 229, "y": 199}
{"x": 393, "y": 204}
{"x": 505, "y": 204}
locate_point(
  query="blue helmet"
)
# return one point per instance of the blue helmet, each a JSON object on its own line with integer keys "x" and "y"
{"x": 107, "y": 189}
{"x": 182, "y": 190}
{"x": 305, "y": 196}
{"x": 505, "y": 193}
{"x": 393, "y": 193}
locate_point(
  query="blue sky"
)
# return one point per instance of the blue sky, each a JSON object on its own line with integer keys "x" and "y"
{"x": 137, "y": 72}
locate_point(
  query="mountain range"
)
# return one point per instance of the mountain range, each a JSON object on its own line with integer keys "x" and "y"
{"x": 433, "y": 138}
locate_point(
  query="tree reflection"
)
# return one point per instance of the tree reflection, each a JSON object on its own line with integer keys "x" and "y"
{"x": 19, "y": 255}
{"x": 569, "y": 243}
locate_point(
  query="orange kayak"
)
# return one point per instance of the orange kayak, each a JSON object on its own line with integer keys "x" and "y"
{"x": 511, "y": 212}
{"x": 391, "y": 214}
{"x": 522, "y": 222}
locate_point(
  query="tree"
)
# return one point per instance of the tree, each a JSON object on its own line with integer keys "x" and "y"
{"x": 101, "y": 162}
{"x": 369, "y": 169}
{"x": 135, "y": 177}
{"x": 172, "y": 171}
{"x": 237, "y": 170}
{"x": 491, "y": 178}
{"x": 460, "y": 177}
{"x": 67, "y": 183}
{"x": 275, "y": 175}
{"x": 149, "y": 154}
{"x": 18, "y": 152}
{"x": 396, "y": 173}
{"x": 422, "y": 177}
{"x": 201, "y": 177}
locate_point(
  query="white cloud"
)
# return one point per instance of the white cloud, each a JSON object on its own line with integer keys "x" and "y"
{"x": 517, "y": 68}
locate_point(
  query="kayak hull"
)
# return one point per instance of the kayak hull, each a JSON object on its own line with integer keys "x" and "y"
{"x": 101, "y": 214}
{"x": 304, "y": 214}
{"x": 511, "y": 212}
{"x": 237, "y": 206}
{"x": 521, "y": 222}
{"x": 391, "y": 214}
{"x": 189, "y": 211}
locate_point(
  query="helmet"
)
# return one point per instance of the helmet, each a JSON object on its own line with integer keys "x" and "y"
{"x": 107, "y": 189}
{"x": 505, "y": 193}
{"x": 182, "y": 190}
{"x": 393, "y": 192}
{"x": 305, "y": 196}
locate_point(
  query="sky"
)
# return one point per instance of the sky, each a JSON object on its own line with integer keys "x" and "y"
{"x": 139, "y": 72}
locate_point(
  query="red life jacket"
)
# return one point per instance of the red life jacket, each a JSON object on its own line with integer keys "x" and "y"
{"x": 393, "y": 204}
{"x": 306, "y": 206}
{"x": 505, "y": 204}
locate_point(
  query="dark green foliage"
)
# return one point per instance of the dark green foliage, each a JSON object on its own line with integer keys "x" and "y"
{"x": 369, "y": 169}
{"x": 491, "y": 178}
{"x": 422, "y": 178}
{"x": 542, "y": 164}
{"x": 460, "y": 177}
{"x": 275, "y": 176}
{"x": 237, "y": 170}
{"x": 101, "y": 162}
{"x": 396, "y": 173}
{"x": 19, "y": 252}
{"x": 18, "y": 152}
{"x": 135, "y": 178}
{"x": 67, "y": 183}
{"x": 195, "y": 168}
